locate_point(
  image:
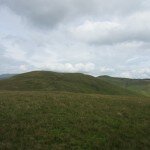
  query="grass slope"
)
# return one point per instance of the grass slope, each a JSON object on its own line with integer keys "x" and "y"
{"x": 139, "y": 85}
{"x": 64, "y": 121}
{"x": 70, "y": 82}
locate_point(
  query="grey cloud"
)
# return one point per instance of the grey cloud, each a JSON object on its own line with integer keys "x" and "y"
{"x": 48, "y": 13}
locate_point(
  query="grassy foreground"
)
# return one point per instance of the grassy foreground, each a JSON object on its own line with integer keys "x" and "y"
{"x": 69, "y": 121}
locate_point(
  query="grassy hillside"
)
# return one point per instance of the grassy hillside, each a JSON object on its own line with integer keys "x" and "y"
{"x": 139, "y": 85}
{"x": 64, "y": 121}
{"x": 70, "y": 82}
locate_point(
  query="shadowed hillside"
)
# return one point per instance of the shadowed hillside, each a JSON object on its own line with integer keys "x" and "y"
{"x": 70, "y": 82}
{"x": 139, "y": 85}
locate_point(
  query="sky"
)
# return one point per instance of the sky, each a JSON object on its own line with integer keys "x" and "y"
{"x": 96, "y": 37}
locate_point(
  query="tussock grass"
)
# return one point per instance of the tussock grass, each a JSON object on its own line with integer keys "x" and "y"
{"x": 61, "y": 121}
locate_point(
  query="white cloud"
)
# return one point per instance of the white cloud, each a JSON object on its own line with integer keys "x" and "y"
{"x": 13, "y": 51}
{"x": 134, "y": 59}
{"x": 23, "y": 67}
{"x": 133, "y": 28}
{"x": 68, "y": 67}
{"x": 95, "y": 32}
{"x": 137, "y": 73}
{"x": 104, "y": 70}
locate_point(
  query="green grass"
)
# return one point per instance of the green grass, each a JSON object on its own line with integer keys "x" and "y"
{"x": 73, "y": 121}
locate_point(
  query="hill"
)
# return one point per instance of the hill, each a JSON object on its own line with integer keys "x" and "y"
{"x": 139, "y": 85}
{"x": 6, "y": 76}
{"x": 69, "y": 82}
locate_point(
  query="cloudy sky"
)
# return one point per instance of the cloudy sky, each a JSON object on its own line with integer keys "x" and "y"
{"x": 98, "y": 37}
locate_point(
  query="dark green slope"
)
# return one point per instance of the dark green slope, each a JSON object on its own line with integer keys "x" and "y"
{"x": 139, "y": 85}
{"x": 69, "y": 82}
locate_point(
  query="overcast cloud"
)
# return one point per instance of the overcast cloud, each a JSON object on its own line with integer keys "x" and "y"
{"x": 97, "y": 37}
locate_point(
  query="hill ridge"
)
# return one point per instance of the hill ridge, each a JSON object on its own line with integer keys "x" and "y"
{"x": 68, "y": 82}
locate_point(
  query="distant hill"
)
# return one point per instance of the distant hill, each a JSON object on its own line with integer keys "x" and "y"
{"x": 139, "y": 85}
{"x": 69, "y": 82}
{"x": 6, "y": 76}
